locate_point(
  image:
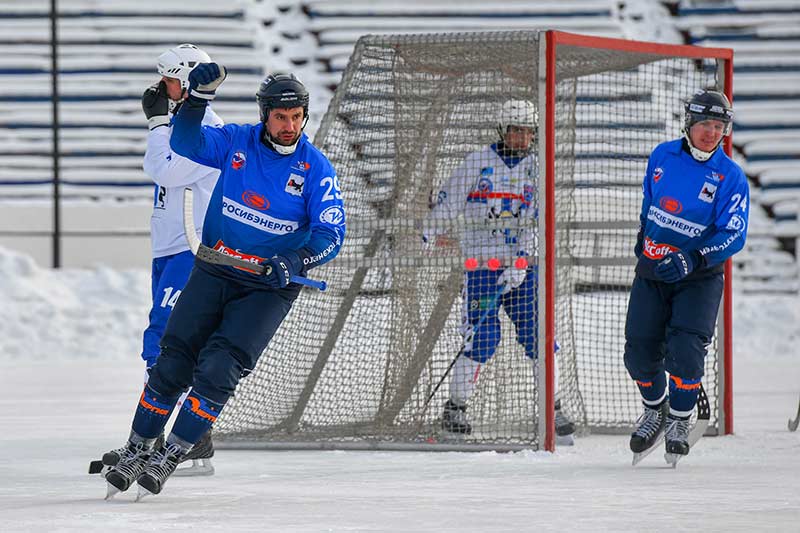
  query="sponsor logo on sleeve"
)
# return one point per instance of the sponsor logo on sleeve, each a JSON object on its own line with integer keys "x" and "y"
{"x": 255, "y": 200}
{"x": 736, "y": 223}
{"x": 708, "y": 192}
{"x": 294, "y": 185}
{"x": 238, "y": 161}
{"x": 332, "y": 215}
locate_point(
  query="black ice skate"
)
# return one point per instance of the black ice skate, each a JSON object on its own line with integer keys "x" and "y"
{"x": 649, "y": 428}
{"x": 130, "y": 463}
{"x": 161, "y": 465}
{"x": 565, "y": 428}
{"x": 111, "y": 458}
{"x": 677, "y": 439}
{"x": 454, "y": 419}
{"x": 200, "y": 455}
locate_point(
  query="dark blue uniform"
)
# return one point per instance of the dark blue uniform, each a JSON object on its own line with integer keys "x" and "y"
{"x": 698, "y": 209}
{"x": 264, "y": 204}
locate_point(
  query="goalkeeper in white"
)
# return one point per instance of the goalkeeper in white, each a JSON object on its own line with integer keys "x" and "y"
{"x": 496, "y": 182}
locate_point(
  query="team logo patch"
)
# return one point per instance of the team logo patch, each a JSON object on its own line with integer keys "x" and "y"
{"x": 301, "y": 166}
{"x": 655, "y": 250}
{"x": 332, "y": 215}
{"x": 670, "y": 205}
{"x": 487, "y": 171}
{"x": 255, "y": 200}
{"x": 708, "y": 192}
{"x": 295, "y": 185}
{"x": 658, "y": 173}
{"x": 238, "y": 160}
{"x": 485, "y": 184}
{"x": 736, "y": 223}
{"x": 715, "y": 176}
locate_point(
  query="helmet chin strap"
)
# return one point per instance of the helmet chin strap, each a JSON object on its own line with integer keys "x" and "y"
{"x": 267, "y": 139}
{"x": 697, "y": 153}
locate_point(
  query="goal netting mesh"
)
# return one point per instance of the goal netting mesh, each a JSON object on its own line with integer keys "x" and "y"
{"x": 353, "y": 367}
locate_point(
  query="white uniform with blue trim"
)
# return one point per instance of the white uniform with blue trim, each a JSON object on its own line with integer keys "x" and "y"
{"x": 171, "y": 173}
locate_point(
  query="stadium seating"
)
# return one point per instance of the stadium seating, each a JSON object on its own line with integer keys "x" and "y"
{"x": 107, "y": 52}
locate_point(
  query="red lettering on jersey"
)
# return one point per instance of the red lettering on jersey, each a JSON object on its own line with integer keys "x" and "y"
{"x": 654, "y": 250}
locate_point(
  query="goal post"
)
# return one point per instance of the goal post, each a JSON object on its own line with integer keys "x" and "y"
{"x": 354, "y": 367}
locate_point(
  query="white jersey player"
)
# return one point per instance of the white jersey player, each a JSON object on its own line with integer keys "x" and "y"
{"x": 496, "y": 184}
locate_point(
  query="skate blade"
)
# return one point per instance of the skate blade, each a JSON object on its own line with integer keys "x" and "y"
{"x": 200, "y": 467}
{"x": 638, "y": 457}
{"x": 565, "y": 440}
{"x": 673, "y": 458}
{"x": 111, "y": 491}
{"x": 142, "y": 493}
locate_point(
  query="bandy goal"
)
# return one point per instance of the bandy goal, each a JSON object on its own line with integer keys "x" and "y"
{"x": 358, "y": 366}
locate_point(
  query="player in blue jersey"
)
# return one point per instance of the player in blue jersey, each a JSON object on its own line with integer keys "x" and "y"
{"x": 172, "y": 260}
{"x": 276, "y": 202}
{"x": 496, "y": 182}
{"x": 694, "y": 217}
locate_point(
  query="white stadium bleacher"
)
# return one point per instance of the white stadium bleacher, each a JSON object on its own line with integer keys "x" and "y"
{"x": 107, "y": 52}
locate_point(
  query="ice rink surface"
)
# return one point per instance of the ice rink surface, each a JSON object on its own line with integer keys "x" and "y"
{"x": 70, "y": 377}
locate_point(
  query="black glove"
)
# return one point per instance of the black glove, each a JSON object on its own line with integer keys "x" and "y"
{"x": 676, "y": 265}
{"x": 155, "y": 105}
{"x": 281, "y": 268}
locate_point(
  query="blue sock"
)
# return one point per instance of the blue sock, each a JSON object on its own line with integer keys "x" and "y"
{"x": 196, "y": 416}
{"x": 653, "y": 392}
{"x": 152, "y": 413}
{"x": 683, "y": 396}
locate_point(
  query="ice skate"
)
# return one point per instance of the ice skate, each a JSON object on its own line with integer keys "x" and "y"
{"x": 565, "y": 428}
{"x": 161, "y": 465}
{"x": 200, "y": 455}
{"x": 650, "y": 426}
{"x": 454, "y": 419}
{"x": 677, "y": 439}
{"x": 130, "y": 463}
{"x": 111, "y": 458}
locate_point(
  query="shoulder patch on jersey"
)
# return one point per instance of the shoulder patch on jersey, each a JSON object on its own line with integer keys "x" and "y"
{"x": 658, "y": 173}
{"x": 332, "y": 215}
{"x": 708, "y": 192}
{"x": 736, "y": 223}
{"x": 238, "y": 161}
{"x": 294, "y": 185}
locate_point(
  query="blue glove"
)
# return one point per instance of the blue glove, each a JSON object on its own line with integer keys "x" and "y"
{"x": 676, "y": 266}
{"x": 204, "y": 80}
{"x": 281, "y": 268}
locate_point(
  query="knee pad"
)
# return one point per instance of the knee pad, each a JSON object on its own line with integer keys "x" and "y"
{"x": 217, "y": 374}
{"x": 172, "y": 373}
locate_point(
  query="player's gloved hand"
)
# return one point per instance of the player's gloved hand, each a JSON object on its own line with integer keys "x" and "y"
{"x": 281, "y": 268}
{"x": 204, "y": 80}
{"x": 155, "y": 105}
{"x": 513, "y": 276}
{"x": 675, "y": 266}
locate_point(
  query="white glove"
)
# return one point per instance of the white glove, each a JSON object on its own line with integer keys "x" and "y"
{"x": 511, "y": 278}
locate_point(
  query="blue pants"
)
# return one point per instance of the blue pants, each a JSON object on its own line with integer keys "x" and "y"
{"x": 669, "y": 326}
{"x": 168, "y": 277}
{"x": 520, "y": 305}
{"x": 216, "y": 333}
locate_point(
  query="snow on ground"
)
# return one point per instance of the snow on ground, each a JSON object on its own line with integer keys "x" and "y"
{"x": 70, "y": 376}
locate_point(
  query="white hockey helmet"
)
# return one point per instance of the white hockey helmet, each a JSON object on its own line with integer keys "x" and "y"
{"x": 178, "y": 62}
{"x": 517, "y": 113}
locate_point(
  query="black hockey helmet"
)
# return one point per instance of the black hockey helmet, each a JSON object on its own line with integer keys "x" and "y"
{"x": 708, "y": 105}
{"x": 281, "y": 91}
